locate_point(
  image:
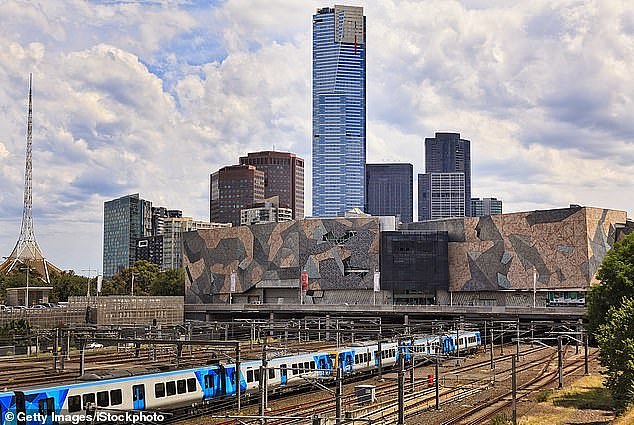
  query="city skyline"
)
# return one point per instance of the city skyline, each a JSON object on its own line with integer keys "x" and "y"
{"x": 125, "y": 95}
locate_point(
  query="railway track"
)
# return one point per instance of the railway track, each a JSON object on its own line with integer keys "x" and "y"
{"x": 384, "y": 390}
{"x": 26, "y": 372}
{"x": 483, "y": 413}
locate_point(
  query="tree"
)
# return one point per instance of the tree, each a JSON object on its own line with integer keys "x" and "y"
{"x": 611, "y": 320}
{"x": 616, "y": 342}
{"x": 169, "y": 282}
{"x": 121, "y": 284}
{"x": 68, "y": 284}
{"x": 616, "y": 274}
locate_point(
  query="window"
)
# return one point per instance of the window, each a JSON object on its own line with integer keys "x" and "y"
{"x": 191, "y": 385}
{"x": 159, "y": 389}
{"x": 249, "y": 376}
{"x": 271, "y": 373}
{"x": 294, "y": 367}
{"x": 256, "y": 375}
{"x": 306, "y": 366}
{"x": 171, "y": 388}
{"x": 103, "y": 400}
{"x": 74, "y": 403}
{"x": 181, "y": 386}
{"x": 88, "y": 399}
{"x": 312, "y": 365}
{"x": 115, "y": 397}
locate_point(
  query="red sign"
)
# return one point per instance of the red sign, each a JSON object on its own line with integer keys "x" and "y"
{"x": 304, "y": 280}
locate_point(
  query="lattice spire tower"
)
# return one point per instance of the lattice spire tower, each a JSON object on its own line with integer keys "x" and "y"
{"x": 26, "y": 250}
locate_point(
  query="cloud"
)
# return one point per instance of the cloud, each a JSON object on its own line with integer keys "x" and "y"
{"x": 152, "y": 97}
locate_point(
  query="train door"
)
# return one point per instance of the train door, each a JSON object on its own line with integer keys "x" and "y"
{"x": 222, "y": 372}
{"x": 138, "y": 397}
{"x": 20, "y": 406}
{"x": 46, "y": 407}
{"x": 283, "y": 374}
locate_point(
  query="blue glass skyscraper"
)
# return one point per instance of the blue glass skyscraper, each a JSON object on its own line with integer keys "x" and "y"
{"x": 338, "y": 110}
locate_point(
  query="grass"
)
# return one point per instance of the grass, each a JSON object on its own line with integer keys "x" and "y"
{"x": 559, "y": 407}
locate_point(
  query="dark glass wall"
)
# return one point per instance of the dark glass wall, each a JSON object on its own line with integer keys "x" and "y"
{"x": 414, "y": 260}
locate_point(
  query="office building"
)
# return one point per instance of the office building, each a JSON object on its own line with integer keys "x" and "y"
{"x": 268, "y": 211}
{"x": 485, "y": 206}
{"x": 447, "y": 154}
{"x": 339, "y": 110}
{"x": 441, "y": 195}
{"x": 283, "y": 177}
{"x": 389, "y": 190}
{"x": 126, "y": 220}
{"x": 234, "y": 188}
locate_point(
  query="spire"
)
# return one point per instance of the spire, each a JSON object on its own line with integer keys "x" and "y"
{"x": 26, "y": 250}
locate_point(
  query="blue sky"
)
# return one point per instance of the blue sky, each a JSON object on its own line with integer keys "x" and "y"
{"x": 151, "y": 97}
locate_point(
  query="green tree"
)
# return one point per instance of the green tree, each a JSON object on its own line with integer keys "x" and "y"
{"x": 616, "y": 342}
{"x": 68, "y": 284}
{"x": 616, "y": 274}
{"x": 169, "y": 282}
{"x": 121, "y": 284}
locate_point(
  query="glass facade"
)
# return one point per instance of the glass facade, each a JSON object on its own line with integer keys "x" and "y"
{"x": 124, "y": 221}
{"x": 481, "y": 207}
{"x": 339, "y": 110}
{"x": 389, "y": 190}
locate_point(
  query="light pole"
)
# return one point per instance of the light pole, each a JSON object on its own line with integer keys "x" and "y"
{"x": 534, "y": 287}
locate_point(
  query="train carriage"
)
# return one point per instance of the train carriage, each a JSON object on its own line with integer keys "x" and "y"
{"x": 173, "y": 389}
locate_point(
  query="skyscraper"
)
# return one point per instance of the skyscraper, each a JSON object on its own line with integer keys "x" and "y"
{"x": 234, "y": 188}
{"x": 447, "y": 154}
{"x": 283, "y": 177}
{"x": 125, "y": 220}
{"x": 389, "y": 190}
{"x": 339, "y": 111}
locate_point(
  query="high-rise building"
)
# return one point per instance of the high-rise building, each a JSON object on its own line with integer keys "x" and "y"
{"x": 445, "y": 153}
{"x": 339, "y": 110}
{"x": 485, "y": 206}
{"x": 234, "y": 188}
{"x": 125, "y": 220}
{"x": 268, "y": 211}
{"x": 389, "y": 190}
{"x": 441, "y": 195}
{"x": 283, "y": 177}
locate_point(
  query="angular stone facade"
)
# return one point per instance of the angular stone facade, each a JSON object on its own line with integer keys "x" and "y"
{"x": 339, "y": 253}
{"x": 494, "y": 253}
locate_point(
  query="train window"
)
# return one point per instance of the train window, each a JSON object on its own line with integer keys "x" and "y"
{"x": 271, "y": 373}
{"x": 171, "y": 388}
{"x": 181, "y": 386}
{"x": 256, "y": 375}
{"x": 306, "y": 366}
{"x": 46, "y": 405}
{"x": 207, "y": 381}
{"x": 294, "y": 367}
{"x": 115, "y": 397}
{"x": 312, "y": 364}
{"x": 159, "y": 389}
{"x": 88, "y": 399}
{"x": 74, "y": 403}
{"x": 103, "y": 399}
{"x": 191, "y": 385}
{"x": 249, "y": 376}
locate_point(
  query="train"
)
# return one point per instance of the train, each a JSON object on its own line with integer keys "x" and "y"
{"x": 170, "y": 390}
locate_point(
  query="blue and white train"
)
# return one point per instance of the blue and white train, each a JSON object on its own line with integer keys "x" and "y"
{"x": 166, "y": 391}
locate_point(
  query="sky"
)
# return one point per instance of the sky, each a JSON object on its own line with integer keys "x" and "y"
{"x": 151, "y": 97}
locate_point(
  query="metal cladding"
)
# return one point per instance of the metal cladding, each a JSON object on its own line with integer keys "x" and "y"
{"x": 499, "y": 252}
{"x": 338, "y": 253}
